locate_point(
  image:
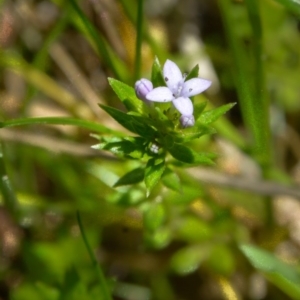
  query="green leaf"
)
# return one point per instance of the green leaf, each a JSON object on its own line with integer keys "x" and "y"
{"x": 154, "y": 216}
{"x": 284, "y": 276}
{"x": 171, "y": 180}
{"x": 187, "y": 155}
{"x": 134, "y": 148}
{"x": 153, "y": 173}
{"x": 189, "y": 134}
{"x": 194, "y": 230}
{"x": 127, "y": 95}
{"x": 73, "y": 287}
{"x": 193, "y": 74}
{"x": 157, "y": 77}
{"x": 159, "y": 238}
{"x": 188, "y": 259}
{"x": 221, "y": 260}
{"x": 136, "y": 124}
{"x": 291, "y": 5}
{"x": 198, "y": 109}
{"x": 132, "y": 177}
{"x": 212, "y": 115}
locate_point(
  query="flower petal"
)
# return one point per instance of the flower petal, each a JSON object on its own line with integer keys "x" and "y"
{"x": 172, "y": 75}
{"x": 187, "y": 121}
{"x": 142, "y": 88}
{"x": 184, "y": 106}
{"x": 195, "y": 86}
{"x": 160, "y": 94}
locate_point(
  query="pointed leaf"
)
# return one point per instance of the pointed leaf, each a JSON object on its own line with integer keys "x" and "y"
{"x": 132, "y": 177}
{"x": 187, "y": 155}
{"x": 212, "y": 115}
{"x": 122, "y": 147}
{"x": 193, "y": 74}
{"x": 192, "y": 133}
{"x": 133, "y": 123}
{"x": 127, "y": 95}
{"x": 157, "y": 77}
{"x": 153, "y": 173}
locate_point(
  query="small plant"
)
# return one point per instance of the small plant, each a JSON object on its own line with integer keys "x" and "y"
{"x": 163, "y": 132}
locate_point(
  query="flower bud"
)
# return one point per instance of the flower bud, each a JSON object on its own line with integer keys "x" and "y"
{"x": 142, "y": 88}
{"x": 187, "y": 121}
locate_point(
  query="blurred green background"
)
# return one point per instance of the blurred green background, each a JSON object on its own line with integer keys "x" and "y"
{"x": 231, "y": 231}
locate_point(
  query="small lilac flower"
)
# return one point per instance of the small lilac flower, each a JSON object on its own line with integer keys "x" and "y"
{"x": 187, "y": 121}
{"x": 178, "y": 91}
{"x": 142, "y": 88}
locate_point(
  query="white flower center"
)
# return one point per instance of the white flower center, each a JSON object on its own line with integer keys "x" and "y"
{"x": 179, "y": 88}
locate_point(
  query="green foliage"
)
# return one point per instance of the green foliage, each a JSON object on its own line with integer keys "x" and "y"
{"x": 212, "y": 115}
{"x": 161, "y": 211}
{"x": 221, "y": 260}
{"x": 153, "y": 172}
{"x": 188, "y": 259}
{"x": 103, "y": 49}
{"x": 291, "y": 5}
{"x": 157, "y": 77}
{"x": 286, "y": 277}
{"x": 187, "y": 155}
{"x": 160, "y": 128}
{"x": 132, "y": 177}
{"x": 127, "y": 95}
{"x": 154, "y": 216}
{"x": 171, "y": 180}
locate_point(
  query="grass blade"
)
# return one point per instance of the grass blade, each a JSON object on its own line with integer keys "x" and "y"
{"x": 102, "y": 47}
{"x": 100, "y": 275}
{"x": 254, "y": 111}
{"x": 42, "y": 82}
{"x": 156, "y": 48}
{"x": 96, "y": 127}
{"x": 291, "y": 5}
{"x": 139, "y": 39}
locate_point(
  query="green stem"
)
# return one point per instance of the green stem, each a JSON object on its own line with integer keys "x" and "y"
{"x": 139, "y": 39}
{"x": 260, "y": 98}
{"x": 9, "y": 197}
{"x": 101, "y": 277}
{"x": 97, "y": 38}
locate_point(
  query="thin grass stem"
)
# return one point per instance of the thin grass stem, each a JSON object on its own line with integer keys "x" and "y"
{"x": 139, "y": 39}
{"x": 9, "y": 197}
{"x": 100, "y": 275}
